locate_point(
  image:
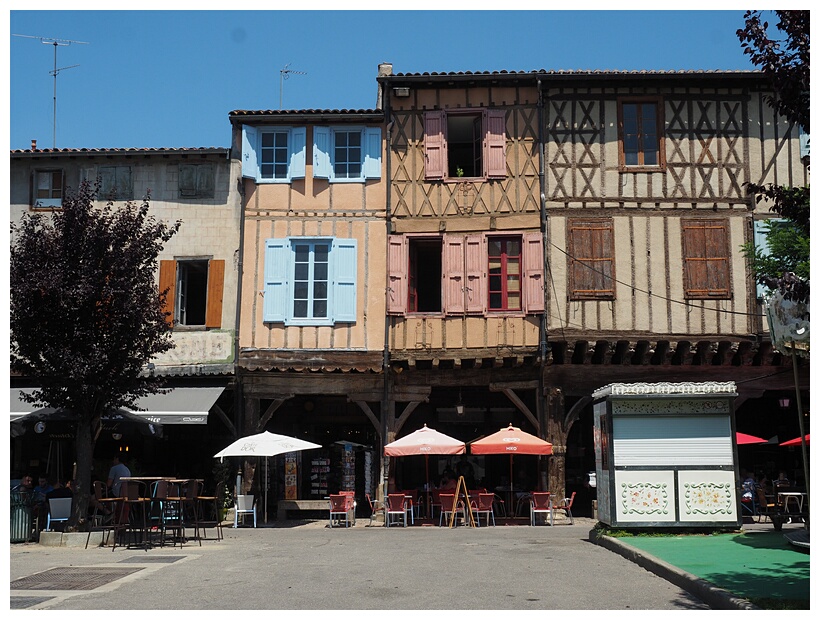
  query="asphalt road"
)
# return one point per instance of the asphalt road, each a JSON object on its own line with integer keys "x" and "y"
{"x": 312, "y": 567}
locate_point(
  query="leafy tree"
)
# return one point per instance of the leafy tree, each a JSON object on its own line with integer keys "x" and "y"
{"x": 86, "y": 314}
{"x": 785, "y": 62}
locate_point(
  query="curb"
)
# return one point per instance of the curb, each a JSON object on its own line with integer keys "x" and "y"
{"x": 715, "y": 597}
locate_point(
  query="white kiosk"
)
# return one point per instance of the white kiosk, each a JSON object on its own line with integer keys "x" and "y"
{"x": 666, "y": 455}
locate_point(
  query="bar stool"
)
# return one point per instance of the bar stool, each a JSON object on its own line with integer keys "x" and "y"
{"x": 134, "y": 495}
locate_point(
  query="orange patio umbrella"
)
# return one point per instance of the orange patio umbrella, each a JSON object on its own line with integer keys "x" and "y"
{"x": 512, "y": 441}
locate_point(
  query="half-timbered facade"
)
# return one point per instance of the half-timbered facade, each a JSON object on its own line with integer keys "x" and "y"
{"x": 554, "y": 232}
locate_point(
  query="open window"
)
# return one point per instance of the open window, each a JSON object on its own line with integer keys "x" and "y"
{"x": 194, "y": 291}
{"x": 465, "y": 144}
{"x": 424, "y": 277}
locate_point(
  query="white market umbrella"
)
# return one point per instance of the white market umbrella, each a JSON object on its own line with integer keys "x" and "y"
{"x": 265, "y": 444}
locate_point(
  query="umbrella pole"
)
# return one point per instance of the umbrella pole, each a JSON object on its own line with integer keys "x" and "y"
{"x": 802, "y": 430}
{"x": 512, "y": 493}
{"x": 266, "y": 489}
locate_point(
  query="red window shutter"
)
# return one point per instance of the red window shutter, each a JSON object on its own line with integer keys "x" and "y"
{"x": 397, "y": 274}
{"x": 216, "y": 279}
{"x": 453, "y": 274}
{"x": 496, "y": 144}
{"x": 435, "y": 146}
{"x": 533, "y": 259}
{"x": 168, "y": 280}
{"x": 475, "y": 261}
{"x": 705, "y": 259}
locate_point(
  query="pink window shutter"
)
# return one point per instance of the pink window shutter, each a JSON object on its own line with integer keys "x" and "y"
{"x": 435, "y": 147}
{"x": 496, "y": 150}
{"x": 533, "y": 255}
{"x": 397, "y": 274}
{"x": 453, "y": 274}
{"x": 475, "y": 261}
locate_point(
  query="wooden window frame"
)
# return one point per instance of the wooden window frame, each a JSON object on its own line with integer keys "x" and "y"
{"x": 691, "y": 256}
{"x": 115, "y": 193}
{"x": 493, "y": 145}
{"x": 505, "y": 257}
{"x": 581, "y": 290}
{"x": 660, "y": 125}
{"x": 168, "y": 278}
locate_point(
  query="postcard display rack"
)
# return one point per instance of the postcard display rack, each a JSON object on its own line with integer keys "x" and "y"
{"x": 319, "y": 470}
{"x": 348, "y": 469}
{"x": 666, "y": 455}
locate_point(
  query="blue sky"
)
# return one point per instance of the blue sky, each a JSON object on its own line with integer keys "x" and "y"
{"x": 169, "y": 78}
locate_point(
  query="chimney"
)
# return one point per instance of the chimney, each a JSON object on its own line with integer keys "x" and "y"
{"x": 385, "y": 68}
{"x": 34, "y": 145}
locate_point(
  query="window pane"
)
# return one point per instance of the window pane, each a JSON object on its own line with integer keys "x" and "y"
{"x": 320, "y": 271}
{"x": 281, "y": 139}
{"x": 301, "y": 271}
{"x": 354, "y": 170}
{"x": 354, "y": 138}
{"x": 513, "y": 267}
{"x": 319, "y": 309}
{"x": 319, "y": 290}
{"x": 302, "y": 253}
{"x": 280, "y": 171}
{"x": 321, "y": 253}
{"x": 513, "y": 283}
{"x": 513, "y": 301}
{"x": 267, "y": 156}
{"x": 300, "y": 290}
{"x": 495, "y": 301}
{"x": 267, "y": 139}
{"x": 513, "y": 248}
{"x": 300, "y": 309}
{"x": 495, "y": 283}
{"x": 494, "y": 248}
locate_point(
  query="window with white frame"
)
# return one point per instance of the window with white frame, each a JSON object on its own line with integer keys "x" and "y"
{"x": 273, "y": 154}
{"x": 310, "y": 281}
{"x": 347, "y": 154}
{"x": 48, "y": 189}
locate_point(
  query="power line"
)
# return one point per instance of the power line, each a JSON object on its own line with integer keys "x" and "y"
{"x": 54, "y": 72}
{"x": 635, "y": 288}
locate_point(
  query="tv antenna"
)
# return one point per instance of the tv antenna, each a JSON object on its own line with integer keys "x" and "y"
{"x": 55, "y": 72}
{"x": 284, "y": 74}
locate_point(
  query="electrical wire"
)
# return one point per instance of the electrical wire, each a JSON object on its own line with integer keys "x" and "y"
{"x": 635, "y": 288}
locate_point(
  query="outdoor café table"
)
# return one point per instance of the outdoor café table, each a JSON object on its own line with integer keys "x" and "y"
{"x": 795, "y": 497}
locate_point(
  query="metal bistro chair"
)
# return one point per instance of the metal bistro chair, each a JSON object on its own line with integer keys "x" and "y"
{"x": 59, "y": 510}
{"x": 339, "y": 509}
{"x": 102, "y": 521}
{"x": 541, "y": 504}
{"x": 244, "y": 506}
{"x": 451, "y": 504}
{"x": 351, "y": 503}
{"x": 376, "y": 507}
{"x": 566, "y": 506}
{"x": 484, "y": 505}
{"x": 396, "y": 507}
{"x": 212, "y": 501}
{"x": 412, "y": 497}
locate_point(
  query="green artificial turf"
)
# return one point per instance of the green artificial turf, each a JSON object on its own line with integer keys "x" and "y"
{"x": 753, "y": 565}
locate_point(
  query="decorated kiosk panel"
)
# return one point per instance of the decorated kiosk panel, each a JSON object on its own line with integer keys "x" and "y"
{"x": 665, "y": 455}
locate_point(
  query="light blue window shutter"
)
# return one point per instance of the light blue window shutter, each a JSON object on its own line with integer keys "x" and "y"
{"x": 250, "y": 168}
{"x": 277, "y": 268}
{"x": 343, "y": 253}
{"x": 298, "y": 149}
{"x": 373, "y": 153}
{"x": 321, "y": 152}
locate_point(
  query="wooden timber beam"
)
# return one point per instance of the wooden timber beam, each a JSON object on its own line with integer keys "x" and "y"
{"x": 225, "y": 420}
{"x": 278, "y": 401}
{"x": 370, "y": 415}
{"x": 411, "y": 406}
{"x": 522, "y": 407}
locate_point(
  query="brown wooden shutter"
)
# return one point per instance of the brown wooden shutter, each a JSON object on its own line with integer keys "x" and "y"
{"x": 591, "y": 250}
{"x": 496, "y": 145}
{"x": 452, "y": 268}
{"x": 706, "y": 259}
{"x": 475, "y": 268}
{"x": 216, "y": 279}
{"x": 168, "y": 280}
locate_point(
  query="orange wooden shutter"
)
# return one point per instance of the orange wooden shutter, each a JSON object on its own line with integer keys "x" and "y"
{"x": 168, "y": 280}
{"x": 216, "y": 278}
{"x": 705, "y": 259}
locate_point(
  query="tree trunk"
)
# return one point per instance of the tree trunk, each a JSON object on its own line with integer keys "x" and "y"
{"x": 84, "y": 458}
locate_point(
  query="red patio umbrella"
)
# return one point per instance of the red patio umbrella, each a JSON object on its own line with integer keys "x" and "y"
{"x": 425, "y": 441}
{"x": 744, "y": 439}
{"x": 795, "y": 441}
{"x": 511, "y": 440}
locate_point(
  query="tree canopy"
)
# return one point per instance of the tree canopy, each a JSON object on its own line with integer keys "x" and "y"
{"x": 86, "y": 315}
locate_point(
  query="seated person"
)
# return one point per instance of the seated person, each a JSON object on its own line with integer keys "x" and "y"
{"x": 448, "y": 484}
{"x": 781, "y": 482}
{"x": 749, "y": 487}
{"x": 43, "y": 487}
{"x": 26, "y": 484}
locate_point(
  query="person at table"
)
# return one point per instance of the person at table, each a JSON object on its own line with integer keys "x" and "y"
{"x": 42, "y": 489}
{"x": 448, "y": 483}
{"x": 781, "y": 483}
{"x": 61, "y": 490}
{"x": 749, "y": 486}
{"x": 26, "y": 484}
{"x": 118, "y": 470}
